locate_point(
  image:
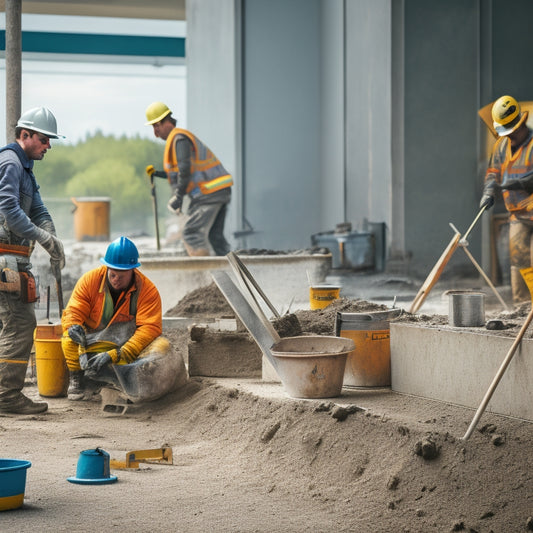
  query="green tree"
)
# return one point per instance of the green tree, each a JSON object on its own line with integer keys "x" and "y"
{"x": 105, "y": 166}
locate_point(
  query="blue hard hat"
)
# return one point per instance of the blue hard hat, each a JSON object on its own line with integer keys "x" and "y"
{"x": 121, "y": 254}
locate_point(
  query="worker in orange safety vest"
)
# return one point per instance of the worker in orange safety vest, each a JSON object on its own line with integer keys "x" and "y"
{"x": 192, "y": 169}
{"x": 510, "y": 171}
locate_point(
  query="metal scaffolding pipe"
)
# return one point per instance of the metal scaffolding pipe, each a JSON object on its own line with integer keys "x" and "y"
{"x": 13, "y": 66}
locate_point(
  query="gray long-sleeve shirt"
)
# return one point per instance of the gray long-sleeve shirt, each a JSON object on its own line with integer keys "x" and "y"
{"x": 21, "y": 205}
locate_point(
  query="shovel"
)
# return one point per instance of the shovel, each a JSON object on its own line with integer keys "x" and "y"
{"x": 151, "y": 172}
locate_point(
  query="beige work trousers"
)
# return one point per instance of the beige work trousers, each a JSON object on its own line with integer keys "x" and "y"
{"x": 521, "y": 256}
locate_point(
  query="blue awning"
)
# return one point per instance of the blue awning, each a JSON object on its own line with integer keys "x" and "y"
{"x": 95, "y": 44}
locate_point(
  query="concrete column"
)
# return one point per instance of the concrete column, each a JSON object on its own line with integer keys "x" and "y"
{"x": 13, "y": 65}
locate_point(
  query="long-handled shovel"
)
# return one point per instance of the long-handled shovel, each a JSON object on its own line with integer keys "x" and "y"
{"x": 527, "y": 273}
{"x": 435, "y": 273}
{"x": 154, "y": 203}
{"x": 150, "y": 170}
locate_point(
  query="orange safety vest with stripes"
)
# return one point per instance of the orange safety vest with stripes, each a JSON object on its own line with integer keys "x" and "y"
{"x": 504, "y": 166}
{"x": 207, "y": 173}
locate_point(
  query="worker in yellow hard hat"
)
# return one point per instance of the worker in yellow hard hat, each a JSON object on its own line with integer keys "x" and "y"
{"x": 193, "y": 170}
{"x": 510, "y": 170}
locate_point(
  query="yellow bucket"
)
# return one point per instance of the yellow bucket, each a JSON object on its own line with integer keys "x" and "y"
{"x": 321, "y": 296}
{"x": 369, "y": 364}
{"x": 52, "y": 371}
{"x": 91, "y": 218}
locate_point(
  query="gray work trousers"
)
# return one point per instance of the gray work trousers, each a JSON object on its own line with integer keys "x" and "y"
{"x": 205, "y": 225}
{"x": 17, "y": 322}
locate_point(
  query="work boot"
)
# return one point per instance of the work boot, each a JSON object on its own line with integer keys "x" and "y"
{"x": 22, "y": 405}
{"x": 76, "y": 389}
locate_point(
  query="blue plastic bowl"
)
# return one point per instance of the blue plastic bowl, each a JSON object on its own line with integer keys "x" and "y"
{"x": 12, "y": 483}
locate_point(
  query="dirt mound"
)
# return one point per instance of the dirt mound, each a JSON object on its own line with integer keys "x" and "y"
{"x": 249, "y": 462}
{"x": 322, "y": 321}
{"x": 367, "y": 470}
{"x": 204, "y": 301}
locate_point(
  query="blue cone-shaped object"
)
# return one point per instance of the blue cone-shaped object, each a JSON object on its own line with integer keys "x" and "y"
{"x": 93, "y": 468}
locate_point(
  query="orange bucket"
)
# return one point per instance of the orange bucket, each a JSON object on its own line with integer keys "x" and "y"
{"x": 91, "y": 218}
{"x": 321, "y": 296}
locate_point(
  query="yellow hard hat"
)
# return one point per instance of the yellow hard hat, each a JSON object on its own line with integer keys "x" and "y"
{"x": 155, "y": 112}
{"x": 506, "y": 115}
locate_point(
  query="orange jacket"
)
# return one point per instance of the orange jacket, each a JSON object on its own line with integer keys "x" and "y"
{"x": 86, "y": 308}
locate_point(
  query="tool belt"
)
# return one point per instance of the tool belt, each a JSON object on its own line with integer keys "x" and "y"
{"x": 16, "y": 277}
{"x": 15, "y": 249}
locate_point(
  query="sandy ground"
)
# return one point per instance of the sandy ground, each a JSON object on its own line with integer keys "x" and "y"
{"x": 247, "y": 458}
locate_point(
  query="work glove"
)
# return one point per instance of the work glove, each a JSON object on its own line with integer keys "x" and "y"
{"x": 151, "y": 171}
{"x": 97, "y": 362}
{"x": 174, "y": 205}
{"x": 53, "y": 246}
{"x": 77, "y": 334}
{"x": 487, "y": 201}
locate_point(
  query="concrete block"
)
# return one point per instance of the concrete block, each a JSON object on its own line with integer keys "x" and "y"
{"x": 223, "y": 354}
{"x": 457, "y": 366}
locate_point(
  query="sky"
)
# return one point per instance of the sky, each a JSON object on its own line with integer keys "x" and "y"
{"x": 86, "y": 96}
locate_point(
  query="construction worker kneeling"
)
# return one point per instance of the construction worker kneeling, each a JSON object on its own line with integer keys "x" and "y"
{"x": 112, "y": 329}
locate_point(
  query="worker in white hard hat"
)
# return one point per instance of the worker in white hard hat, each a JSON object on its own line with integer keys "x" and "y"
{"x": 192, "y": 169}
{"x": 510, "y": 170}
{"x": 24, "y": 219}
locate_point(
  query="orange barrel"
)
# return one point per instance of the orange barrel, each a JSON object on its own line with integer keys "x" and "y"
{"x": 91, "y": 218}
{"x": 321, "y": 296}
{"x": 369, "y": 364}
{"x": 52, "y": 371}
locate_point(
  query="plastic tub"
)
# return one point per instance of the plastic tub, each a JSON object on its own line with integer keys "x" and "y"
{"x": 12, "y": 483}
{"x": 52, "y": 371}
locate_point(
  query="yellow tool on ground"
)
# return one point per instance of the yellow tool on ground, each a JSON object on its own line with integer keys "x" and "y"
{"x": 154, "y": 456}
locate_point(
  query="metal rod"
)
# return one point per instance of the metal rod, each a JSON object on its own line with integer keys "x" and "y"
{"x": 485, "y": 277}
{"x": 238, "y": 265}
{"x": 48, "y": 304}
{"x": 465, "y": 236}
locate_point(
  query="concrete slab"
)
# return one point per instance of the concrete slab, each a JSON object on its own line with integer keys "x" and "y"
{"x": 283, "y": 278}
{"x": 457, "y": 366}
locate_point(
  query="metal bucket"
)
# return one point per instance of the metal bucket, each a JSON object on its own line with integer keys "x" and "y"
{"x": 320, "y": 296}
{"x": 466, "y": 309}
{"x": 312, "y": 366}
{"x": 369, "y": 364}
{"x": 91, "y": 218}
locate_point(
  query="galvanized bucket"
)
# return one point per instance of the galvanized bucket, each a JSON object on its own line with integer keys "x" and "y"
{"x": 312, "y": 366}
{"x": 466, "y": 309}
